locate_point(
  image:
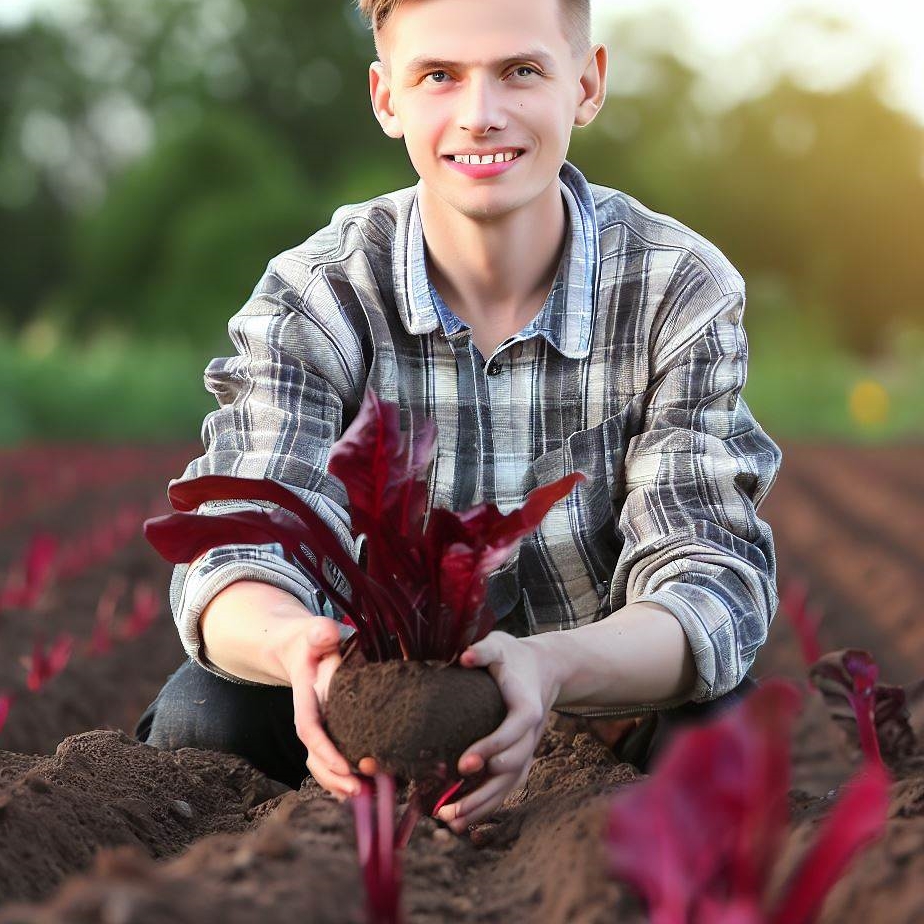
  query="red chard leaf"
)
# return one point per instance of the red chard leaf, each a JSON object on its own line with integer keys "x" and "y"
{"x": 381, "y": 472}
{"x": 872, "y": 715}
{"x": 420, "y": 592}
{"x": 6, "y": 704}
{"x": 858, "y": 818}
{"x": 378, "y": 846}
{"x": 805, "y": 619}
{"x": 699, "y": 838}
{"x": 712, "y": 814}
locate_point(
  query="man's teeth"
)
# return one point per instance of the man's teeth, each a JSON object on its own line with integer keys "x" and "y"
{"x": 487, "y": 159}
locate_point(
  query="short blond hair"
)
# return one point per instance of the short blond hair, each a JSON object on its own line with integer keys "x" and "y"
{"x": 575, "y": 20}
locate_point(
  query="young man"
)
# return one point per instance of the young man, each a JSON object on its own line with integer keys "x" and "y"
{"x": 548, "y": 324}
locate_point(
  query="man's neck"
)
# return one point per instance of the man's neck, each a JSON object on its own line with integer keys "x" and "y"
{"x": 497, "y": 274}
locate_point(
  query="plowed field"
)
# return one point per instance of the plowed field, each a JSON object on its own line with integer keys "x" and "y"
{"x": 95, "y": 826}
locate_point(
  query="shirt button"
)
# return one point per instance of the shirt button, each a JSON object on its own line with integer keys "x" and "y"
{"x": 441, "y": 334}
{"x": 493, "y": 367}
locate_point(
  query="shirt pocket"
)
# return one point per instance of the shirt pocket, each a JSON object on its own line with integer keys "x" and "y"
{"x": 566, "y": 566}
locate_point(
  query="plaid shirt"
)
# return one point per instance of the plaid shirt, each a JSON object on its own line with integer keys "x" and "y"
{"x": 631, "y": 372}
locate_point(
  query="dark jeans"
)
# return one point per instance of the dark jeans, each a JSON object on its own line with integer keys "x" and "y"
{"x": 198, "y": 709}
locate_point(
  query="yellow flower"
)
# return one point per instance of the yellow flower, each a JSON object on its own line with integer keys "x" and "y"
{"x": 869, "y": 403}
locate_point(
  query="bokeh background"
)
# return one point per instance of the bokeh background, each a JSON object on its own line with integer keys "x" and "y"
{"x": 156, "y": 153}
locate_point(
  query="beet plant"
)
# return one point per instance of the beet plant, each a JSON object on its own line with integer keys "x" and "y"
{"x": 42, "y": 665}
{"x": 6, "y": 704}
{"x": 805, "y": 619}
{"x": 416, "y": 598}
{"x": 872, "y": 716}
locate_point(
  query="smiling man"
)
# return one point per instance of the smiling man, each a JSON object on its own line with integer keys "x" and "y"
{"x": 547, "y": 324}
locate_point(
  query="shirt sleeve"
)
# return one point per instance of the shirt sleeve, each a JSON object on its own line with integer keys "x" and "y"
{"x": 278, "y": 417}
{"x": 696, "y": 474}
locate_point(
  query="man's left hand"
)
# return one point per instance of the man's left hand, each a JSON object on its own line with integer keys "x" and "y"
{"x": 529, "y": 687}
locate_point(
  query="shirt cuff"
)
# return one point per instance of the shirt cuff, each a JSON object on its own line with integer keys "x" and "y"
{"x": 223, "y": 566}
{"x": 709, "y": 626}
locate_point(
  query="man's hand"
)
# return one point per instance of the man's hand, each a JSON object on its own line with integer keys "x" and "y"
{"x": 310, "y": 659}
{"x": 530, "y": 687}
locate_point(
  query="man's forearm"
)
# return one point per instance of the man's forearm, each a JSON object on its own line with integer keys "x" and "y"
{"x": 639, "y": 654}
{"x": 247, "y": 625}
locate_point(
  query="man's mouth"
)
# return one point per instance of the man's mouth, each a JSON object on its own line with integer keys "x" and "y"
{"x": 502, "y": 157}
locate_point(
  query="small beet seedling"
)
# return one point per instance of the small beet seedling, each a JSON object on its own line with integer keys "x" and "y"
{"x": 869, "y": 713}
{"x": 42, "y": 665}
{"x": 805, "y": 619}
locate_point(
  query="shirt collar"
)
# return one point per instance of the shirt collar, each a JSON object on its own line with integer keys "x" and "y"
{"x": 566, "y": 317}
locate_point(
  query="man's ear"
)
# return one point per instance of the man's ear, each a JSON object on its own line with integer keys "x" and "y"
{"x": 593, "y": 87}
{"x": 380, "y": 94}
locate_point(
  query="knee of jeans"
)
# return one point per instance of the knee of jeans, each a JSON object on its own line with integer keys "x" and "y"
{"x": 189, "y": 713}
{"x": 189, "y": 725}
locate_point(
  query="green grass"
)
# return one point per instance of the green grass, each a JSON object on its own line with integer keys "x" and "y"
{"x": 113, "y": 388}
{"x": 107, "y": 390}
{"x": 801, "y": 387}
{"x": 810, "y": 398}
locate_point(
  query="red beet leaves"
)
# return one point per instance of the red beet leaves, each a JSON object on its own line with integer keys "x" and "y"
{"x": 6, "y": 704}
{"x": 42, "y": 665}
{"x": 872, "y": 712}
{"x": 699, "y": 838}
{"x": 101, "y": 640}
{"x": 421, "y": 595}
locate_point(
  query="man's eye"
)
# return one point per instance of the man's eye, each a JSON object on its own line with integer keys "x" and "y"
{"x": 522, "y": 67}
{"x": 526, "y": 67}
{"x": 436, "y": 72}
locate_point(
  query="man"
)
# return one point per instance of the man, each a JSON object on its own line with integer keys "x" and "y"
{"x": 548, "y": 324}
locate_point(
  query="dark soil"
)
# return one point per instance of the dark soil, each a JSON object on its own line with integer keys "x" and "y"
{"x": 426, "y": 713}
{"x": 97, "y": 827}
{"x": 103, "y": 789}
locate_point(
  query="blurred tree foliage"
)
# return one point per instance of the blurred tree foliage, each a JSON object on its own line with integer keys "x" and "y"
{"x": 156, "y": 154}
{"x": 186, "y": 232}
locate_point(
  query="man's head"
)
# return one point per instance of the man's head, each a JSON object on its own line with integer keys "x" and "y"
{"x": 460, "y": 76}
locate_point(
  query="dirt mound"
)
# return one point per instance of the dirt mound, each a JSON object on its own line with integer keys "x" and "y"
{"x": 434, "y": 712}
{"x": 102, "y": 789}
{"x": 539, "y": 858}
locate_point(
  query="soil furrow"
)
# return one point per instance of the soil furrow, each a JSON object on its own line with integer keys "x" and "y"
{"x": 857, "y": 489}
{"x": 131, "y": 833}
{"x": 864, "y": 530}
{"x": 869, "y": 601}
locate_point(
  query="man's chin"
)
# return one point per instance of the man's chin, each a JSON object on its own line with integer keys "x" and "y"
{"x": 478, "y": 205}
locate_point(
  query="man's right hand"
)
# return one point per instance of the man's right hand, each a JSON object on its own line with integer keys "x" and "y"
{"x": 310, "y": 659}
{"x": 259, "y": 632}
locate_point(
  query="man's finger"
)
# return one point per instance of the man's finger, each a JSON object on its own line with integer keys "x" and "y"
{"x": 482, "y": 653}
{"x": 324, "y": 633}
{"x": 480, "y": 803}
{"x": 334, "y": 783}
{"x": 515, "y": 727}
{"x": 308, "y": 723}
{"x": 472, "y": 800}
{"x": 511, "y": 758}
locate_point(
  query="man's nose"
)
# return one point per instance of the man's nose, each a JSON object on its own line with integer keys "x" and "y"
{"x": 482, "y": 105}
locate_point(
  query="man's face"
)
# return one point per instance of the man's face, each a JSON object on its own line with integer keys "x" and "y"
{"x": 514, "y": 84}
